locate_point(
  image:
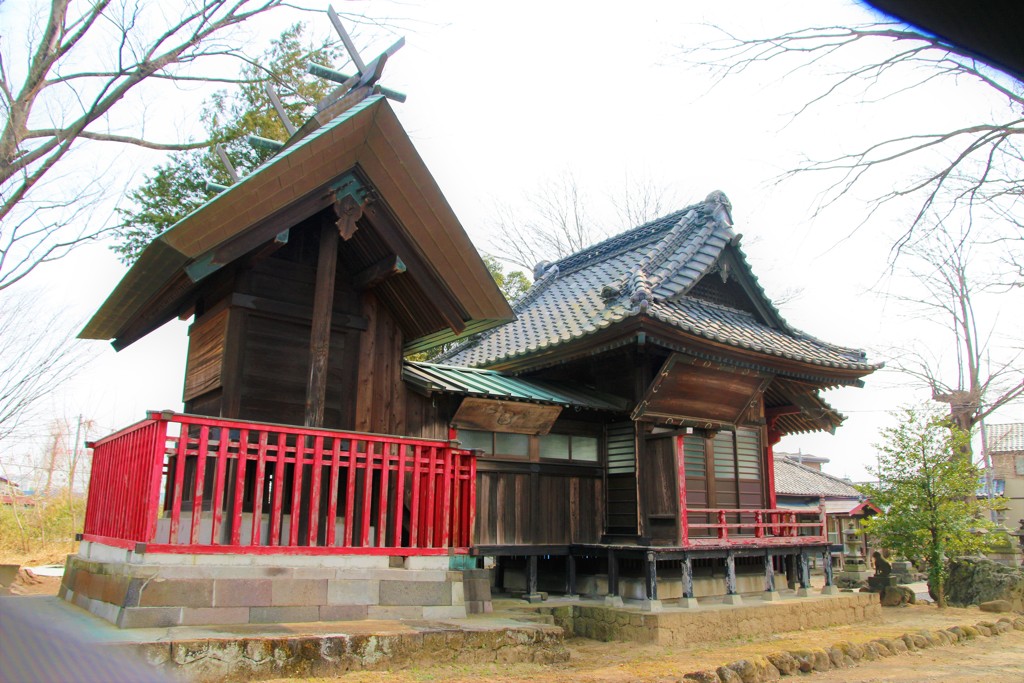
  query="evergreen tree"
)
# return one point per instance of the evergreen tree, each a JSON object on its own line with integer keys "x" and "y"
{"x": 178, "y": 187}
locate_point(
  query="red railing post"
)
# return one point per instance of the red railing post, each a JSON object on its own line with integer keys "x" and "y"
{"x": 200, "y": 481}
{"x": 332, "y": 499}
{"x": 414, "y": 505}
{"x": 723, "y": 533}
{"x": 155, "y": 455}
{"x": 314, "y": 491}
{"x": 758, "y": 524}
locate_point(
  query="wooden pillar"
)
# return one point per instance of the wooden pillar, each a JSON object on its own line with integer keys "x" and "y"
{"x": 684, "y": 528}
{"x": 686, "y": 572}
{"x": 651, "y": 575}
{"x": 826, "y": 558}
{"x": 613, "y": 574}
{"x": 570, "y": 574}
{"x": 730, "y": 574}
{"x": 532, "y": 595}
{"x": 803, "y": 569}
{"x": 790, "y": 561}
{"x": 769, "y": 573}
{"x": 320, "y": 328}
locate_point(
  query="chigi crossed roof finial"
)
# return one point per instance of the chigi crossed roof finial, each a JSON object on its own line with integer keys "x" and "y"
{"x": 351, "y": 90}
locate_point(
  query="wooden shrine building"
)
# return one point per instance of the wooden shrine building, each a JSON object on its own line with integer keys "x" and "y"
{"x": 614, "y": 428}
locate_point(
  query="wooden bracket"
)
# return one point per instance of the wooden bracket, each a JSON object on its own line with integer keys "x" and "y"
{"x": 350, "y": 198}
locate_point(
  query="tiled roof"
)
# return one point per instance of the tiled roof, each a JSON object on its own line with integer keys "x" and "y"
{"x": 794, "y": 479}
{"x": 651, "y": 270}
{"x": 1005, "y": 438}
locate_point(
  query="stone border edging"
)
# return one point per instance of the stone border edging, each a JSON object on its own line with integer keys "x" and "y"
{"x": 772, "y": 667}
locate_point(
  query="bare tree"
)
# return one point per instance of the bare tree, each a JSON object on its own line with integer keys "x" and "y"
{"x": 975, "y": 387}
{"x": 973, "y": 164}
{"x": 38, "y": 353}
{"x": 71, "y": 85}
{"x": 559, "y": 218}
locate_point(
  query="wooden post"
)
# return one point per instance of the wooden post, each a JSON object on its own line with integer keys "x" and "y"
{"x": 730, "y": 574}
{"x": 686, "y": 570}
{"x": 613, "y": 574}
{"x": 826, "y": 558}
{"x": 684, "y": 530}
{"x": 651, "y": 575}
{"x": 769, "y": 573}
{"x": 531, "y": 580}
{"x": 320, "y": 329}
{"x": 570, "y": 575}
{"x": 803, "y": 570}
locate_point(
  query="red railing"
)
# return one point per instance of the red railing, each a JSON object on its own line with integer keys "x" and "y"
{"x": 185, "y": 483}
{"x": 756, "y": 527}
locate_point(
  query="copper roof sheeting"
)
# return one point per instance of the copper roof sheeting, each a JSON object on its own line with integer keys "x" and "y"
{"x": 367, "y": 137}
{"x": 429, "y": 378}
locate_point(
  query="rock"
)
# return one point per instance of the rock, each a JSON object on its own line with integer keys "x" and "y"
{"x": 784, "y": 662}
{"x": 909, "y": 642}
{"x": 899, "y": 646}
{"x": 977, "y": 580}
{"x": 897, "y": 596}
{"x": 983, "y": 629}
{"x": 727, "y": 675}
{"x": 707, "y": 676}
{"x": 882, "y": 647}
{"x": 1001, "y": 627}
{"x": 996, "y": 606}
{"x": 1018, "y": 623}
{"x": 970, "y": 632}
{"x": 851, "y": 650}
{"x": 822, "y": 662}
{"x": 957, "y": 633}
{"x": 835, "y": 655}
{"x": 805, "y": 660}
{"x": 870, "y": 652}
{"x": 755, "y": 670}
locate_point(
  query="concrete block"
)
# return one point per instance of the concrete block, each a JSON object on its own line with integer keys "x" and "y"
{"x": 688, "y": 603}
{"x": 149, "y": 617}
{"x": 382, "y": 612}
{"x": 354, "y": 592}
{"x": 342, "y": 612}
{"x": 187, "y": 593}
{"x": 830, "y": 590}
{"x": 298, "y": 592}
{"x": 98, "y": 552}
{"x": 283, "y": 615}
{"x": 434, "y": 562}
{"x": 225, "y": 560}
{"x": 458, "y": 594}
{"x": 803, "y": 593}
{"x": 106, "y": 611}
{"x": 771, "y": 596}
{"x": 651, "y": 606}
{"x": 613, "y": 601}
{"x": 415, "y": 593}
{"x": 734, "y": 599}
{"x": 214, "y": 616}
{"x": 454, "y": 612}
{"x": 242, "y": 593}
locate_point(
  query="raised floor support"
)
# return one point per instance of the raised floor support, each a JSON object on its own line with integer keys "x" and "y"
{"x": 532, "y": 595}
{"x": 830, "y": 588}
{"x": 770, "y": 594}
{"x": 803, "y": 572}
{"x": 613, "y": 598}
{"x": 686, "y": 575}
{"x": 731, "y": 596}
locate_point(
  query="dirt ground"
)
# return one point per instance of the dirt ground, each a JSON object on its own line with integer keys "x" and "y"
{"x": 998, "y": 658}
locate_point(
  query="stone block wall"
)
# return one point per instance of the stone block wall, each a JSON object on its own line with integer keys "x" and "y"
{"x": 136, "y": 590}
{"x": 705, "y": 625}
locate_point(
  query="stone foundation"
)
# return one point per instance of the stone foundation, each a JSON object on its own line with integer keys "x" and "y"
{"x": 711, "y": 623}
{"x": 138, "y": 590}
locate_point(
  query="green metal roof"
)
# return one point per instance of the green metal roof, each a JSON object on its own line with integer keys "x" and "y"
{"x": 449, "y": 379}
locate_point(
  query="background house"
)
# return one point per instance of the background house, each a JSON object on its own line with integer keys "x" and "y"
{"x": 1004, "y": 444}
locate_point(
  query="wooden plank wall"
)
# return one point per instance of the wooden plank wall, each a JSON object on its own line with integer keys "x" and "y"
{"x": 380, "y": 394}
{"x": 517, "y": 508}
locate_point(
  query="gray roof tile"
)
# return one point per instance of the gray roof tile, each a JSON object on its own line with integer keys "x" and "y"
{"x": 1005, "y": 438}
{"x": 794, "y": 479}
{"x": 649, "y": 270}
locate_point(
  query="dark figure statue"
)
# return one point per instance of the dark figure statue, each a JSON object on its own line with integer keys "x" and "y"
{"x": 882, "y": 566}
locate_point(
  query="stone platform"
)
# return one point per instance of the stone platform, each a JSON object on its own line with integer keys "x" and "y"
{"x": 49, "y": 637}
{"x": 713, "y": 620}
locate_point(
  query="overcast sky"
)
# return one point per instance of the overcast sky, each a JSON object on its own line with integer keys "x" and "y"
{"x": 505, "y": 98}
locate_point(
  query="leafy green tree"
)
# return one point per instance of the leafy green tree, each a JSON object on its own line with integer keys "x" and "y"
{"x": 930, "y": 511}
{"x": 513, "y": 284}
{"x": 178, "y": 187}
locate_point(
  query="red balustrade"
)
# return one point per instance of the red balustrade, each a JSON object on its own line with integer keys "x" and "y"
{"x": 754, "y": 527}
{"x": 192, "y": 484}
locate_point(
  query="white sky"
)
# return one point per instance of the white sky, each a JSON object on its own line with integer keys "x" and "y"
{"x": 504, "y": 98}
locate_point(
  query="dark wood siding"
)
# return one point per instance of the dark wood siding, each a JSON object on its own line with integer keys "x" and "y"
{"x": 658, "y": 490}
